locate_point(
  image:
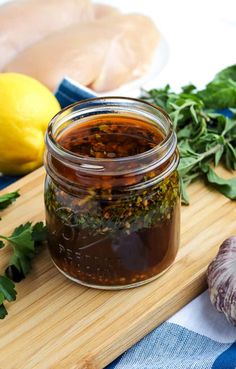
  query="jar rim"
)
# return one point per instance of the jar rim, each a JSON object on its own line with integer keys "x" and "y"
{"x": 60, "y": 151}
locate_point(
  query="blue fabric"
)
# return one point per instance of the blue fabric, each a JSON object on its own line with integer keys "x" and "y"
{"x": 171, "y": 346}
{"x": 227, "y": 360}
{"x": 228, "y": 113}
{"x": 7, "y": 180}
{"x": 69, "y": 93}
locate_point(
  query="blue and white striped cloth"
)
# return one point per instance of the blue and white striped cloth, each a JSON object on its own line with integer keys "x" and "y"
{"x": 197, "y": 337}
{"x": 69, "y": 92}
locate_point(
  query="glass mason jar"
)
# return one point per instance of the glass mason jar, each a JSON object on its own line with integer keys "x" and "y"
{"x": 112, "y": 192}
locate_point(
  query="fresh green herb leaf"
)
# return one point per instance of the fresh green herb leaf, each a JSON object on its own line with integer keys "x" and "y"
{"x": 227, "y": 73}
{"x": 7, "y": 199}
{"x": 7, "y": 289}
{"x": 159, "y": 97}
{"x": 187, "y": 163}
{"x": 230, "y": 156}
{"x": 230, "y": 126}
{"x": 21, "y": 237}
{"x": 14, "y": 274}
{"x": 205, "y": 124}
{"x": 25, "y": 241}
{"x": 226, "y": 186}
{"x": 218, "y": 155}
{"x": 219, "y": 94}
{"x": 183, "y": 191}
{"x": 188, "y": 89}
{"x": 3, "y": 311}
{"x": 7, "y": 293}
{"x": 39, "y": 232}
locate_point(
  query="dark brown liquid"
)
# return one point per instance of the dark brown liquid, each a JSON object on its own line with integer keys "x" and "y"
{"x": 122, "y": 260}
{"x": 108, "y": 237}
{"x": 111, "y": 138}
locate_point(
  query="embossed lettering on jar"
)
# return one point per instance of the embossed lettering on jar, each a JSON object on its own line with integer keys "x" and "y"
{"x": 112, "y": 192}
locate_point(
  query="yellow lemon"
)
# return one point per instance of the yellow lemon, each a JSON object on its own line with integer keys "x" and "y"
{"x": 26, "y": 107}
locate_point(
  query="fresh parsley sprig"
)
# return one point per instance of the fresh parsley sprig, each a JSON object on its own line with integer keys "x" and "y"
{"x": 205, "y": 123}
{"x": 25, "y": 242}
{"x": 8, "y": 199}
{"x": 7, "y": 293}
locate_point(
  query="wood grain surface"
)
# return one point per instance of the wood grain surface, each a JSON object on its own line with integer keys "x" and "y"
{"x": 55, "y": 323}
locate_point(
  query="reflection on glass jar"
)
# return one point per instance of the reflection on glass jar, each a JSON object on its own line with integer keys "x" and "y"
{"x": 112, "y": 192}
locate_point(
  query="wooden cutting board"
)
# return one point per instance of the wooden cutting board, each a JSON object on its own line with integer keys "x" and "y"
{"x": 57, "y": 324}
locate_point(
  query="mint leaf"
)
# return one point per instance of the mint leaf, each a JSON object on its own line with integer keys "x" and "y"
{"x": 218, "y": 155}
{"x": 183, "y": 191}
{"x": 230, "y": 156}
{"x": 219, "y": 94}
{"x": 187, "y": 163}
{"x": 227, "y": 73}
{"x": 205, "y": 124}
{"x": 226, "y": 186}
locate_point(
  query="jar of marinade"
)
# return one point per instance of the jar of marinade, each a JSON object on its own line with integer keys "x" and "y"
{"x": 112, "y": 192}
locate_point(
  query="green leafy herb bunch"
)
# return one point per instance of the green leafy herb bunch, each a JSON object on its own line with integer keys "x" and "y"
{"x": 205, "y": 123}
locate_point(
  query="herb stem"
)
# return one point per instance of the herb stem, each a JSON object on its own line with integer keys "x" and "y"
{"x": 3, "y": 237}
{"x": 216, "y": 148}
{"x": 211, "y": 151}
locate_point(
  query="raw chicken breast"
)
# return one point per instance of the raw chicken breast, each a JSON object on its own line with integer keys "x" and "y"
{"x": 102, "y": 54}
{"x": 25, "y": 22}
{"x": 103, "y": 10}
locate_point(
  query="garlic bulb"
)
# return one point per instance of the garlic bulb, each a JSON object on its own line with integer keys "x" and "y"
{"x": 221, "y": 277}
